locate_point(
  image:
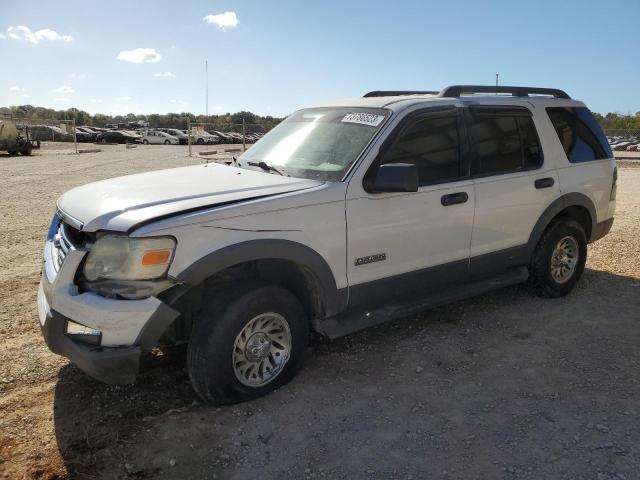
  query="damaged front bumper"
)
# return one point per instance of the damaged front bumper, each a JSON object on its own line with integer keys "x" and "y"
{"x": 124, "y": 328}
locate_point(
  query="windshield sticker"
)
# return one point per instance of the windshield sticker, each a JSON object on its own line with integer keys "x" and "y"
{"x": 363, "y": 119}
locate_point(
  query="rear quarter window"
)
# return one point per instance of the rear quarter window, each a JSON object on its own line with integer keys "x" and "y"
{"x": 580, "y": 134}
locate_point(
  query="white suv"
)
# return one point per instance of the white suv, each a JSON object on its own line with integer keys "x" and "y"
{"x": 344, "y": 216}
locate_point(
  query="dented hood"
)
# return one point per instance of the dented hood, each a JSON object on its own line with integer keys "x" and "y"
{"x": 121, "y": 203}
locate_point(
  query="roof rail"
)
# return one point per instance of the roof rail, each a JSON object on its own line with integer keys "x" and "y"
{"x": 459, "y": 90}
{"x": 398, "y": 93}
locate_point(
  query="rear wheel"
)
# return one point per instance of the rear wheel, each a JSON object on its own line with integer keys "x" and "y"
{"x": 558, "y": 261}
{"x": 167, "y": 142}
{"x": 145, "y": 141}
{"x": 248, "y": 341}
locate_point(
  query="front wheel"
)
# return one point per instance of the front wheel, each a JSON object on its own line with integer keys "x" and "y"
{"x": 167, "y": 142}
{"x": 248, "y": 341}
{"x": 145, "y": 141}
{"x": 558, "y": 261}
{"x": 200, "y": 141}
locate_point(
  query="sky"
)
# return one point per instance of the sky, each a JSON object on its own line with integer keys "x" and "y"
{"x": 272, "y": 57}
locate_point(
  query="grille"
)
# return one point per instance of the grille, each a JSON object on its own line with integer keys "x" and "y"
{"x": 65, "y": 239}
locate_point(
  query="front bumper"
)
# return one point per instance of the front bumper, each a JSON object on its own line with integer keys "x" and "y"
{"x": 114, "y": 366}
{"x": 127, "y": 326}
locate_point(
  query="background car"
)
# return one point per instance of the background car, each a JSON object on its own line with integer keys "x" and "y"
{"x": 118, "y": 136}
{"x": 157, "y": 137}
{"x": 49, "y": 133}
{"x": 179, "y": 134}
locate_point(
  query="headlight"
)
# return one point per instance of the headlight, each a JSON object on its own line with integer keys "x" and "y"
{"x": 119, "y": 257}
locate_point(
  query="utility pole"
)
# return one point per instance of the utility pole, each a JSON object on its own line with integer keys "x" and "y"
{"x": 497, "y": 76}
{"x": 206, "y": 88}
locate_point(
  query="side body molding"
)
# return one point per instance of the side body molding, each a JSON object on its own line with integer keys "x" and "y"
{"x": 567, "y": 200}
{"x": 334, "y": 300}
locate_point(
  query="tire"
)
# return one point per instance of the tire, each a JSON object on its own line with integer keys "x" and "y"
{"x": 26, "y": 152}
{"x": 146, "y": 142}
{"x": 104, "y": 140}
{"x": 212, "y": 353}
{"x": 167, "y": 142}
{"x": 200, "y": 141}
{"x": 12, "y": 152}
{"x": 551, "y": 282}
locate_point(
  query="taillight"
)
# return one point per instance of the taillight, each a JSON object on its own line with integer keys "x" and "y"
{"x": 614, "y": 186}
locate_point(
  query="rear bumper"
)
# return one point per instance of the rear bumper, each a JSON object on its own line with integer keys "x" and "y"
{"x": 601, "y": 229}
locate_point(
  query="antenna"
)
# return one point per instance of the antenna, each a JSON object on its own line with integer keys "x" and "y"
{"x": 206, "y": 87}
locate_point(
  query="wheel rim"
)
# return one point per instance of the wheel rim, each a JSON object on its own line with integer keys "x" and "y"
{"x": 262, "y": 349}
{"x": 564, "y": 259}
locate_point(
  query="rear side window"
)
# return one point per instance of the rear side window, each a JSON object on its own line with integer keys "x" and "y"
{"x": 432, "y": 144}
{"x": 579, "y": 133}
{"x": 504, "y": 141}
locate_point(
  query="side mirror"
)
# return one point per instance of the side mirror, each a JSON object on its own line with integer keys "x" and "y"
{"x": 394, "y": 177}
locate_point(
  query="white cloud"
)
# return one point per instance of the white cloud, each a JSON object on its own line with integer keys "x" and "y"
{"x": 78, "y": 76}
{"x": 140, "y": 55}
{"x": 164, "y": 75}
{"x": 223, "y": 20}
{"x": 15, "y": 89}
{"x": 124, "y": 99}
{"x": 178, "y": 102}
{"x": 23, "y": 33}
{"x": 25, "y": 95}
{"x": 64, "y": 89}
{"x": 62, "y": 99}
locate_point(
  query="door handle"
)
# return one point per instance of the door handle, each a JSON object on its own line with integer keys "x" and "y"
{"x": 544, "y": 182}
{"x": 454, "y": 198}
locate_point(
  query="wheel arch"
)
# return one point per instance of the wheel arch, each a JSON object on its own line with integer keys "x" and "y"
{"x": 291, "y": 264}
{"x": 576, "y": 206}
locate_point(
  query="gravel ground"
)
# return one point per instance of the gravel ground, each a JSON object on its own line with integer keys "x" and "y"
{"x": 506, "y": 385}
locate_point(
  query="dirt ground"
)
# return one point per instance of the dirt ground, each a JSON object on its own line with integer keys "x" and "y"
{"x": 506, "y": 385}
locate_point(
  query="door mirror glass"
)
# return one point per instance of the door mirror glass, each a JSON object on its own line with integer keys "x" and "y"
{"x": 395, "y": 177}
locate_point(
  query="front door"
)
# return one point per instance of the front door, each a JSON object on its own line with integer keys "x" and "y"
{"x": 403, "y": 244}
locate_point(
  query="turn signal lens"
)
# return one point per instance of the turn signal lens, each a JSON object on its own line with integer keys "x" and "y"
{"x": 157, "y": 257}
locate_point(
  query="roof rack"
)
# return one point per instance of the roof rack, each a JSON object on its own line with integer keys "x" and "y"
{"x": 397, "y": 93}
{"x": 459, "y": 90}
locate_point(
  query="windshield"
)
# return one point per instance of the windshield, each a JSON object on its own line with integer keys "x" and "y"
{"x": 319, "y": 143}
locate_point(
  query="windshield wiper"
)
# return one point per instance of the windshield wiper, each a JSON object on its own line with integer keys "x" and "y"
{"x": 268, "y": 167}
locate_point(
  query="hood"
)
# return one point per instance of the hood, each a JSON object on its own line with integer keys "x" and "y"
{"x": 120, "y": 203}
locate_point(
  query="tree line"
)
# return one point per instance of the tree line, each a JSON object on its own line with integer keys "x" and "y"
{"x": 616, "y": 121}
{"x": 226, "y": 122}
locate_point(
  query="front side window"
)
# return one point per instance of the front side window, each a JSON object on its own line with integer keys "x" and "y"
{"x": 580, "y": 134}
{"x": 432, "y": 143}
{"x": 318, "y": 144}
{"x": 504, "y": 142}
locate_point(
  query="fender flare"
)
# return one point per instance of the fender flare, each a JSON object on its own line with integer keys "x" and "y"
{"x": 333, "y": 300}
{"x": 559, "y": 204}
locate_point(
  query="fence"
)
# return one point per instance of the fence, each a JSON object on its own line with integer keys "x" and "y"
{"x": 50, "y": 131}
{"x": 235, "y": 133}
{"x": 622, "y": 132}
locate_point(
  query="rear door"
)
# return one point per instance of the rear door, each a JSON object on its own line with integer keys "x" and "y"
{"x": 400, "y": 244}
{"x": 513, "y": 183}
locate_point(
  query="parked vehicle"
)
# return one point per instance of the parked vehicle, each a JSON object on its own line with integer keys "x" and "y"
{"x": 179, "y": 134}
{"x": 224, "y": 137}
{"x": 118, "y": 136}
{"x": 50, "y": 133}
{"x": 203, "y": 137}
{"x": 156, "y": 137}
{"x": 340, "y": 218}
{"x": 632, "y": 148}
